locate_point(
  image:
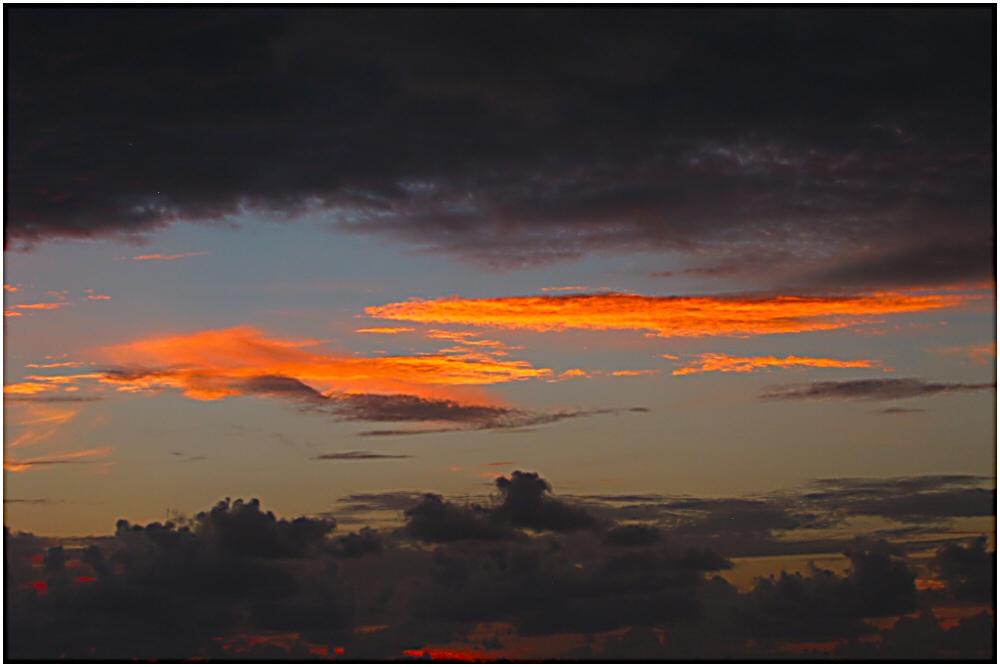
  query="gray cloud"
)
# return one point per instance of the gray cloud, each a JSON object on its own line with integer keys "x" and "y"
{"x": 359, "y": 456}
{"x": 888, "y": 389}
{"x": 516, "y": 136}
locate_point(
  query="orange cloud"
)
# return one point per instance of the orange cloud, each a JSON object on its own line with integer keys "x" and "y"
{"x": 978, "y": 353}
{"x": 60, "y": 364}
{"x": 204, "y": 364}
{"x": 99, "y": 297}
{"x": 40, "y": 306}
{"x": 634, "y": 373}
{"x": 55, "y": 459}
{"x": 666, "y": 316}
{"x": 386, "y": 330}
{"x": 570, "y": 288}
{"x": 25, "y": 388}
{"x": 725, "y": 363}
{"x": 574, "y": 373}
{"x": 170, "y": 257}
{"x": 10, "y": 288}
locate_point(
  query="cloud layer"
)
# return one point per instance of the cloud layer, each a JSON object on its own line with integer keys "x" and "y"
{"x": 839, "y": 147}
{"x": 527, "y": 575}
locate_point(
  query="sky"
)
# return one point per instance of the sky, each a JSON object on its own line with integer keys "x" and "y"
{"x": 718, "y": 279}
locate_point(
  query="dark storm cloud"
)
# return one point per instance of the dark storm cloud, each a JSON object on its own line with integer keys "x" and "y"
{"x": 871, "y": 390}
{"x": 969, "y": 571}
{"x": 236, "y": 574}
{"x": 359, "y": 456}
{"x": 525, "y": 501}
{"x": 822, "y": 605}
{"x": 165, "y": 590}
{"x": 518, "y": 136}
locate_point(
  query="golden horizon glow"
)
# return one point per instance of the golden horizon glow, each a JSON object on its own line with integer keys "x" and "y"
{"x": 665, "y": 316}
{"x": 724, "y": 363}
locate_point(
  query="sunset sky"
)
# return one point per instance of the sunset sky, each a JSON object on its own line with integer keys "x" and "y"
{"x": 323, "y": 254}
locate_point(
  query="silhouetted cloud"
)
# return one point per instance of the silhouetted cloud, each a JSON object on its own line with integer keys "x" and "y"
{"x": 359, "y": 456}
{"x": 969, "y": 571}
{"x": 237, "y": 582}
{"x": 882, "y": 389}
{"x": 516, "y": 137}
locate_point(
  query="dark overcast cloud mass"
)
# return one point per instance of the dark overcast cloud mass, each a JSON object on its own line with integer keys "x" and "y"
{"x": 205, "y": 586}
{"x": 853, "y": 145}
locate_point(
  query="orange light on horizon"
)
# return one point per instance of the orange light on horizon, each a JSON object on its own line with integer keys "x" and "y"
{"x": 665, "y": 316}
{"x": 724, "y": 363}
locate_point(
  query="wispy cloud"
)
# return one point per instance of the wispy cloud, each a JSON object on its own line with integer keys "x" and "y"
{"x": 212, "y": 364}
{"x": 725, "y": 363}
{"x": 10, "y": 288}
{"x": 386, "y": 330}
{"x": 980, "y": 353}
{"x": 666, "y": 316}
{"x": 359, "y": 456}
{"x": 635, "y": 373}
{"x": 161, "y": 256}
{"x": 99, "y": 297}
{"x": 871, "y": 390}
{"x": 69, "y": 458}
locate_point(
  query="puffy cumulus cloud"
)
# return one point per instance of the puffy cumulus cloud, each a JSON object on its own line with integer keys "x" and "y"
{"x": 525, "y": 501}
{"x": 164, "y": 591}
{"x": 599, "y": 131}
{"x": 725, "y": 363}
{"x": 884, "y": 389}
{"x": 969, "y": 571}
{"x": 822, "y": 605}
{"x": 237, "y": 582}
{"x": 666, "y": 316}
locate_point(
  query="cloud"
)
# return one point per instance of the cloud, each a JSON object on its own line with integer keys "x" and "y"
{"x": 55, "y": 305}
{"x": 900, "y": 411}
{"x": 666, "y": 316}
{"x": 99, "y": 297}
{"x": 597, "y": 133}
{"x": 969, "y": 571}
{"x": 979, "y": 353}
{"x": 213, "y": 364}
{"x": 888, "y": 389}
{"x": 635, "y": 373}
{"x": 238, "y": 582}
{"x": 10, "y": 288}
{"x": 725, "y": 363}
{"x": 68, "y": 458}
{"x": 386, "y": 330}
{"x": 160, "y": 256}
{"x": 359, "y": 456}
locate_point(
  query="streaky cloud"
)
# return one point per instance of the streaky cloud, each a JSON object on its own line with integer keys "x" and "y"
{"x": 883, "y": 389}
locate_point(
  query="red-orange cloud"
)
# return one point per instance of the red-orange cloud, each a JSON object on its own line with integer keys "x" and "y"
{"x": 666, "y": 316}
{"x": 204, "y": 363}
{"x": 725, "y": 363}
{"x": 170, "y": 257}
{"x": 56, "y": 459}
{"x": 386, "y": 330}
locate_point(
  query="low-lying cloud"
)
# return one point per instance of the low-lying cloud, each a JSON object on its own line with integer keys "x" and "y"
{"x": 883, "y": 389}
